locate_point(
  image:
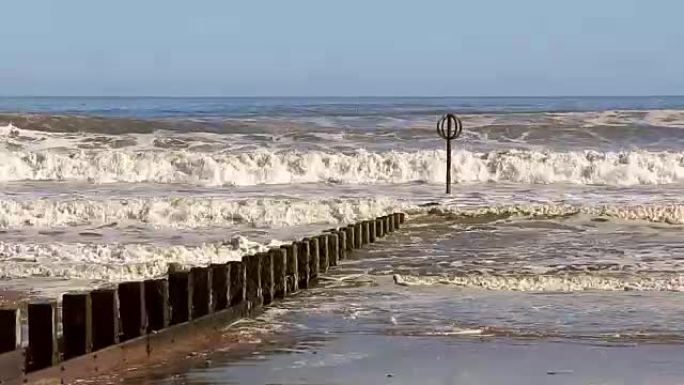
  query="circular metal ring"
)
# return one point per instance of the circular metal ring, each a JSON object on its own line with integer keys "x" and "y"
{"x": 449, "y": 127}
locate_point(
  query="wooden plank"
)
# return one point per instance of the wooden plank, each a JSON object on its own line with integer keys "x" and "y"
{"x": 237, "y": 291}
{"x": 10, "y": 330}
{"x": 279, "y": 257}
{"x": 201, "y": 291}
{"x": 105, "y": 316}
{"x": 77, "y": 324}
{"x": 303, "y": 267}
{"x": 266, "y": 261}
{"x": 42, "y": 346}
{"x": 292, "y": 271}
{"x": 157, "y": 304}
{"x": 219, "y": 286}
{"x": 180, "y": 296}
{"x": 132, "y": 310}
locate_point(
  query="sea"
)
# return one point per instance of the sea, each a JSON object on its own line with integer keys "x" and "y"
{"x": 564, "y": 223}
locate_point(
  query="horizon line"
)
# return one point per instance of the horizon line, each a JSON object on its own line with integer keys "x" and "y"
{"x": 340, "y": 96}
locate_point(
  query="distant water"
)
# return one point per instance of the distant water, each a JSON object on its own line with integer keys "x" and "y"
{"x": 551, "y": 194}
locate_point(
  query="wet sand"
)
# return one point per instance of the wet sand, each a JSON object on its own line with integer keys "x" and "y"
{"x": 362, "y": 359}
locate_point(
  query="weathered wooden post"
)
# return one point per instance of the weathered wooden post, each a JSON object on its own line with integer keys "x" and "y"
{"x": 279, "y": 257}
{"x": 42, "y": 347}
{"x": 12, "y": 360}
{"x": 379, "y": 227}
{"x": 252, "y": 265}
{"x": 342, "y": 243}
{"x": 132, "y": 310}
{"x": 292, "y": 268}
{"x": 303, "y": 267}
{"x": 201, "y": 291}
{"x": 10, "y": 330}
{"x": 323, "y": 253}
{"x": 238, "y": 287}
{"x": 157, "y": 304}
{"x": 358, "y": 235}
{"x": 314, "y": 260}
{"x": 372, "y": 230}
{"x": 266, "y": 277}
{"x": 365, "y": 230}
{"x": 449, "y": 127}
{"x": 386, "y": 224}
{"x": 350, "y": 237}
{"x": 105, "y": 303}
{"x": 220, "y": 278}
{"x": 180, "y": 296}
{"x": 77, "y": 324}
{"x": 333, "y": 248}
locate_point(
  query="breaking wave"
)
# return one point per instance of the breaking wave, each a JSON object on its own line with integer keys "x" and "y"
{"x": 669, "y": 213}
{"x": 114, "y": 262}
{"x": 550, "y": 283}
{"x": 360, "y": 167}
{"x": 188, "y": 212}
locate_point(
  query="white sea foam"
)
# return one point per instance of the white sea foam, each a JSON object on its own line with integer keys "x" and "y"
{"x": 361, "y": 167}
{"x": 114, "y": 262}
{"x": 550, "y": 283}
{"x": 657, "y": 212}
{"x": 189, "y": 212}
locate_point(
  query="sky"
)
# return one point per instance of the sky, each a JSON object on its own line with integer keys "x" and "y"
{"x": 341, "y": 48}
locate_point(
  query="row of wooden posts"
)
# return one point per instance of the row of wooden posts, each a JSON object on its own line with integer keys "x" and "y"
{"x": 108, "y": 316}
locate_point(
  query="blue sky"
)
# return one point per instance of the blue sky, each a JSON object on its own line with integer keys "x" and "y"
{"x": 351, "y": 47}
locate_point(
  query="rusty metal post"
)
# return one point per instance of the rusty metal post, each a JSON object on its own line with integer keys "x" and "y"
{"x": 77, "y": 324}
{"x": 266, "y": 277}
{"x": 219, "y": 286}
{"x": 132, "y": 310}
{"x": 279, "y": 257}
{"x": 157, "y": 304}
{"x": 292, "y": 270}
{"x": 10, "y": 330}
{"x": 449, "y": 127}
{"x": 201, "y": 291}
{"x": 238, "y": 287}
{"x": 42, "y": 346}
{"x": 105, "y": 304}
{"x": 180, "y": 296}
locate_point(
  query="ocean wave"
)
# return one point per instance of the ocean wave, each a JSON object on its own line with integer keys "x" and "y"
{"x": 670, "y": 213}
{"x": 551, "y": 283}
{"x": 360, "y": 167}
{"x": 189, "y": 212}
{"x": 114, "y": 262}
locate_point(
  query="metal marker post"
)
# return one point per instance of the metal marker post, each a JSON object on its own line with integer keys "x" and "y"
{"x": 449, "y": 127}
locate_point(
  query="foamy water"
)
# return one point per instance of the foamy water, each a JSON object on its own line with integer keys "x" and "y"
{"x": 557, "y": 195}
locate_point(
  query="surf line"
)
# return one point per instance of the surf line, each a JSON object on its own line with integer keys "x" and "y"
{"x": 142, "y": 322}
